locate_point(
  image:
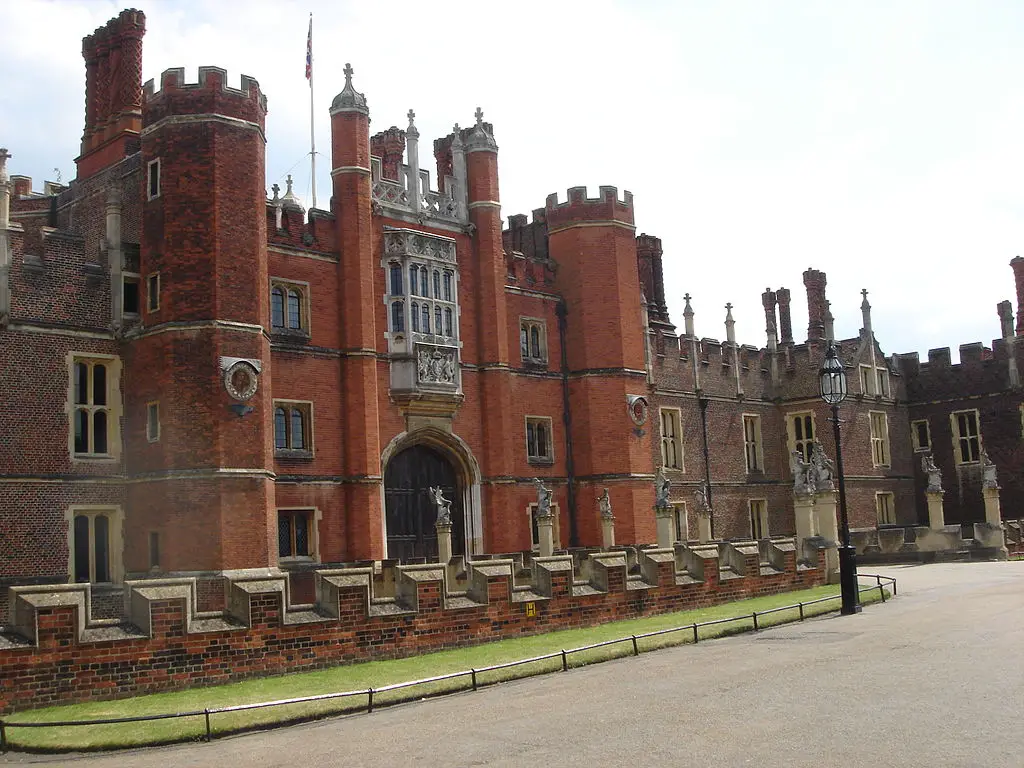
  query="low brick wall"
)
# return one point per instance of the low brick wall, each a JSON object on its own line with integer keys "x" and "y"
{"x": 59, "y": 654}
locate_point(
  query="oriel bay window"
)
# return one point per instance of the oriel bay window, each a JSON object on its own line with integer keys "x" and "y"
{"x": 426, "y": 305}
{"x": 293, "y": 428}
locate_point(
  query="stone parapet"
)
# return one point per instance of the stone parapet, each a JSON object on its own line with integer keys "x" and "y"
{"x": 53, "y": 647}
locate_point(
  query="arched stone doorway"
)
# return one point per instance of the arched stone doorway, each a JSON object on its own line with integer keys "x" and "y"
{"x": 409, "y": 511}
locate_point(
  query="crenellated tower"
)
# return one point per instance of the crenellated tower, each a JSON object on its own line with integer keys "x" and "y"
{"x": 197, "y": 371}
{"x": 593, "y": 241}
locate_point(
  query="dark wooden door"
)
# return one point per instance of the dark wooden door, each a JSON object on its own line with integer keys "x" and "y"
{"x": 410, "y": 512}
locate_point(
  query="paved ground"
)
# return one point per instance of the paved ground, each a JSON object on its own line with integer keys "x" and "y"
{"x": 933, "y": 679}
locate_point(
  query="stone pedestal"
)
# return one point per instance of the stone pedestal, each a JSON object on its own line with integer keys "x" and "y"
{"x": 993, "y": 514}
{"x": 608, "y": 532}
{"x": 665, "y": 526}
{"x": 936, "y": 515}
{"x": 803, "y": 511}
{"x": 546, "y": 535}
{"x": 704, "y": 528}
{"x": 444, "y": 543}
{"x": 828, "y": 528}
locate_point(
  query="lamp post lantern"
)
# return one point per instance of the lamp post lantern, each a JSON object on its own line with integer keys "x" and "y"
{"x": 832, "y": 380}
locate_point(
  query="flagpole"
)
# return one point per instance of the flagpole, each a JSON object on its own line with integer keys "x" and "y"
{"x": 312, "y": 136}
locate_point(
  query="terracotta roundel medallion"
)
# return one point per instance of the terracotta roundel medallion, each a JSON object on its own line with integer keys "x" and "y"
{"x": 638, "y": 410}
{"x": 241, "y": 381}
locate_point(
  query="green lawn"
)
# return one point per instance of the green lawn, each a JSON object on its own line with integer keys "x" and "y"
{"x": 377, "y": 674}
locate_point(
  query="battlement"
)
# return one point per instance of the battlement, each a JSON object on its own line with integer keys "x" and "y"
{"x": 606, "y": 207}
{"x": 209, "y": 95}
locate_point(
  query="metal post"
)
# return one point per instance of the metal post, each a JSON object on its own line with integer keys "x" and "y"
{"x": 847, "y": 554}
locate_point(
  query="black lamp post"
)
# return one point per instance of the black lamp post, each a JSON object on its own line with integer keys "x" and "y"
{"x": 833, "y": 391}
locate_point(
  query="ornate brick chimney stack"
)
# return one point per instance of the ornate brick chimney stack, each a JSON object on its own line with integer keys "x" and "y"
{"x": 113, "y": 91}
{"x": 1018, "y": 277}
{"x": 785, "y": 320}
{"x": 652, "y": 279}
{"x": 389, "y": 146}
{"x": 814, "y": 282}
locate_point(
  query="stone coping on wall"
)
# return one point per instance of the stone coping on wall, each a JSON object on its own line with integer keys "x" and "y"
{"x": 920, "y": 543}
{"x": 57, "y": 653}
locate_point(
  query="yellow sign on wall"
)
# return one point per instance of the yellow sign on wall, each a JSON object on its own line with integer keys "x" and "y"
{"x": 531, "y": 610}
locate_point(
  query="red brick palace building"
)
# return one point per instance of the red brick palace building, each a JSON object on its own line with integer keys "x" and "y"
{"x": 195, "y": 378}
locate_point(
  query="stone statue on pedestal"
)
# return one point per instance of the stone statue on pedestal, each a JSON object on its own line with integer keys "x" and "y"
{"x": 933, "y": 472}
{"x": 604, "y": 503}
{"x": 822, "y": 469}
{"x": 988, "y": 472}
{"x": 662, "y": 488}
{"x": 444, "y": 506}
{"x": 803, "y": 477}
{"x": 543, "y": 498}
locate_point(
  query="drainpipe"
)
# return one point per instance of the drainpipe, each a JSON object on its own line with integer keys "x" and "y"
{"x": 703, "y": 401}
{"x": 570, "y": 471}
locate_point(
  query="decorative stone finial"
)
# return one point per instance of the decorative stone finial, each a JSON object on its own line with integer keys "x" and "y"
{"x": 276, "y": 189}
{"x": 349, "y": 100}
{"x": 688, "y": 316}
{"x": 481, "y": 136}
{"x": 933, "y": 473}
{"x": 604, "y": 504}
{"x": 662, "y": 489}
{"x": 830, "y": 322}
{"x": 290, "y": 200}
{"x": 865, "y": 310}
{"x": 4, "y": 156}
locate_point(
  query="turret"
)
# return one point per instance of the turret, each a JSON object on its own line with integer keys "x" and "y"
{"x": 202, "y": 367}
{"x": 357, "y": 310}
{"x": 593, "y": 242}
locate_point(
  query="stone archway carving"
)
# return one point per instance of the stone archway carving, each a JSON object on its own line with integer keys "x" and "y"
{"x": 466, "y": 467}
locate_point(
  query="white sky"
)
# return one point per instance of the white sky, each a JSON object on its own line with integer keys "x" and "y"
{"x": 877, "y": 140}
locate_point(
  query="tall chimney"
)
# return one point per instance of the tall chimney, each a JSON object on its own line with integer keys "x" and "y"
{"x": 688, "y": 316}
{"x": 785, "y": 321}
{"x": 1018, "y": 277}
{"x": 814, "y": 282}
{"x": 1005, "y": 310}
{"x": 768, "y": 301}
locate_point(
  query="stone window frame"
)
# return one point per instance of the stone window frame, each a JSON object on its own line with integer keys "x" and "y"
{"x": 113, "y": 407}
{"x": 556, "y": 527}
{"x": 153, "y": 418}
{"x": 153, "y": 179}
{"x": 527, "y": 326}
{"x": 885, "y": 508}
{"x": 883, "y": 383}
{"x": 960, "y": 441}
{"x": 115, "y": 543}
{"x": 672, "y": 443}
{"x": 152, "y": 292}
{"x": 805, "y": 444}
{"x": 547, "y": 422}
{"x": 288, "y": 287}
{"x": 915, "y": 438}
{"x": 313, "y": 517}
{"x": 305, "y": 408}
{"x": 758, "y": 517}
{"x": 881, "y": 455}
{"x": 756, "y": 444}
{"x": 866, "y": 379}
